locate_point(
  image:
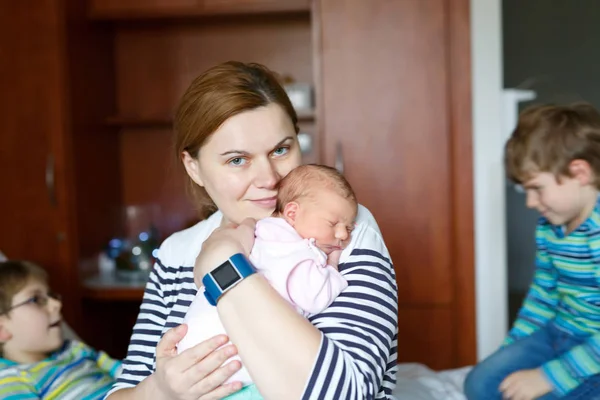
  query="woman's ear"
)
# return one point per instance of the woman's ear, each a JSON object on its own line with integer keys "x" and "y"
{"x": 290, "y": 212}
{"x": 192, "y": 167}
{"x": 581, "y": 170}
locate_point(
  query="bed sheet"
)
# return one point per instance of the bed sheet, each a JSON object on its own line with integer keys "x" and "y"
{"x": 417, "y": 382}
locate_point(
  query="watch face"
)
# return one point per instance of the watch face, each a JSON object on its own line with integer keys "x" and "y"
{"x": 225, "y": 275}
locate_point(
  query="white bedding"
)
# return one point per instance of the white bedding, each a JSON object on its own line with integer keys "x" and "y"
{"x": 417, "y": 382}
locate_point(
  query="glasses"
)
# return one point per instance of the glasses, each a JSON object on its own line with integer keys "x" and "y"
{"x": 40, "y": 300}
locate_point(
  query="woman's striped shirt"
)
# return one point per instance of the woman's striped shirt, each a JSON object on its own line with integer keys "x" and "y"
{"x": 357, "y": 355}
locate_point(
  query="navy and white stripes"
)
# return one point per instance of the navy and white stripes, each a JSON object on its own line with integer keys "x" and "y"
{"x": 357, "y": 356}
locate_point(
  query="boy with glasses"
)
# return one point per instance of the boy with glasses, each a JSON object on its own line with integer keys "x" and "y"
{"x": 35, "y": 359}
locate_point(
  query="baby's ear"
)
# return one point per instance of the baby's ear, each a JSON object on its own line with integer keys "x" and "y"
{"x": 290, "y": 212}
{"x": 5, "y": 335}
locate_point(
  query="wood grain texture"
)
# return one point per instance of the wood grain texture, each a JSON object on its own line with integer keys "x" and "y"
{"x": 384, "y": 94}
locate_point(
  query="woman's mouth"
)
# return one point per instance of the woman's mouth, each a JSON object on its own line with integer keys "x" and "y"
{"x": 266, "y": 202}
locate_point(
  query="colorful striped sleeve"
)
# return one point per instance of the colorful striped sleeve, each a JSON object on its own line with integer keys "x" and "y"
{"x": 582, "y": 361}
{"x": 15, "y": 385}
{"x": 358, "y": 353}
{"x": 107, "y": 364}
{"x": 540, "y": 304}
{"x": 573, "y": 367}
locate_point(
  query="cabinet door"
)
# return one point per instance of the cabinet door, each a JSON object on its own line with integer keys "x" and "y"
{"x": 386, "y": 119}
{"x": 32, "y": 142}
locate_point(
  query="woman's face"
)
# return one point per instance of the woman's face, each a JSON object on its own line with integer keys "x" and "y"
{"x": 241, "y": 163}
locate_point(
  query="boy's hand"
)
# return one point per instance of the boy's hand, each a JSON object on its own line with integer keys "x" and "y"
{"x": 528, "y": 384}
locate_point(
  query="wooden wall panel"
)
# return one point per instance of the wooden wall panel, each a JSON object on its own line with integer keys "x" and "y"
{"x": 426, "y": 336}
{"x": 384, "y": 93}
{"x": 155, "y": 62}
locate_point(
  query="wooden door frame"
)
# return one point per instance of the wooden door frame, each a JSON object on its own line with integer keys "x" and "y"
{"x": 461, "y": 129}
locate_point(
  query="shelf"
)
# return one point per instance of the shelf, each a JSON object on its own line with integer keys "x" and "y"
{"x": 110, "y": 288}
{"x": 134, "y": 122}
{"x": 167, "y": 122}
{"x": 141, "y": 9}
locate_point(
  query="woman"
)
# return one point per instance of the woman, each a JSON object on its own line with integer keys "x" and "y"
{"x": 236, "y": 136}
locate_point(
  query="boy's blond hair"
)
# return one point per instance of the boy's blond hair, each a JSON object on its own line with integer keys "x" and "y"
{"x": 549, "y": 137}
{"x": 307, "y": 181}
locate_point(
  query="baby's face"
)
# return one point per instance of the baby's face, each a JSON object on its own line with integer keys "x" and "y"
{"x": 329, "y": 219}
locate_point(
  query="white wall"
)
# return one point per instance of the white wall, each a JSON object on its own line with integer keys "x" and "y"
{"x": 488, "y": 142}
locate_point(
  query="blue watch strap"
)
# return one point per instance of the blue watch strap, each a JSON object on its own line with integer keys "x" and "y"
{"x": 226, "y": 276}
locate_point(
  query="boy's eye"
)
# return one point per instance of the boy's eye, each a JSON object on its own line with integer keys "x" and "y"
{"x": 38, "y": 300}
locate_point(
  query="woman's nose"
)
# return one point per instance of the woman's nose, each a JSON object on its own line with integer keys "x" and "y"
{"x": 266, "y": 176}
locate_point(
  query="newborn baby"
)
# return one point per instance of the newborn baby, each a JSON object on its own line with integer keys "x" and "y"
{"x": 297, "y": 250}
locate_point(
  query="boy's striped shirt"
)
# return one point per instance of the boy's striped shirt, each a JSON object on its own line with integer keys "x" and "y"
{"x": 75, "y": 372}
{"x": 566, "y": 291}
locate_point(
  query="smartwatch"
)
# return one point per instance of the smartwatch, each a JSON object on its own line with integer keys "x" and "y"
{"x": 226, "y": 276}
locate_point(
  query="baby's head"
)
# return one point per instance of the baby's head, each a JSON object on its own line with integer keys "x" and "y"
{"x": 30, "y": 319}
{"x": 319, "y": 203}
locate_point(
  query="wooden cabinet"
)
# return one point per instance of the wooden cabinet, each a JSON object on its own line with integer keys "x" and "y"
{"x": 388, "y": 88}
{"x": 92, "y": 102}
{"x": 58, "y": 164}
{"x": 34, "y": 172}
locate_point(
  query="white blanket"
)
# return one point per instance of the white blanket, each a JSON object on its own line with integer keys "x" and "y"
{"x": 417, "y": 382}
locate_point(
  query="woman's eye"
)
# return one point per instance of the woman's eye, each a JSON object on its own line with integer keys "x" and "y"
{"x": 37, "y": 299}
{"x": 238, "y": 161}
{"x": 281, "y": 151}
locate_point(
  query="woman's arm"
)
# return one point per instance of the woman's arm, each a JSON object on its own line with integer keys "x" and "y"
{"x": 196, "y": 372}
{"x": 353, "y": 347}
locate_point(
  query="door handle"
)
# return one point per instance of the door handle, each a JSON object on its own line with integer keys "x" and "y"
{"x": 50, "y": 180}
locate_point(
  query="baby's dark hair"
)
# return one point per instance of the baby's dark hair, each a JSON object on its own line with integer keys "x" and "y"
{"x": 307, "y": 181}
{"x": 549, "y": 137}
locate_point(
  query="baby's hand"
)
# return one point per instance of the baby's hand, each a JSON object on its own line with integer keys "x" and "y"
{"x": 528, "y": 384}
{"x": 334, "y": 258}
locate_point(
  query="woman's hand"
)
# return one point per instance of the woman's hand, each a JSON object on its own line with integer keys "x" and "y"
{"x": 222, "y": 244}
{"x": 197, "y": 373}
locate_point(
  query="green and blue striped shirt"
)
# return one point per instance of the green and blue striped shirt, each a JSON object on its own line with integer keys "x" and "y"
{"x": 566, "y": 290}
{"x": 76, "y": 371}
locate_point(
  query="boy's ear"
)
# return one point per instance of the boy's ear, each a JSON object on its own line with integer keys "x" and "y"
{"x": 290, "y": 212}
{"x": 5, "y": 335}
{"x": 582, "y": 171}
